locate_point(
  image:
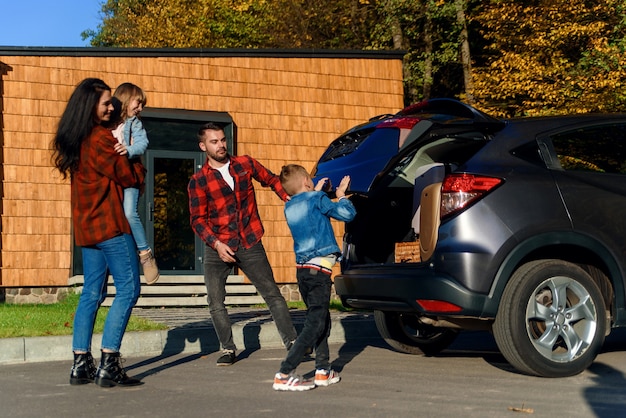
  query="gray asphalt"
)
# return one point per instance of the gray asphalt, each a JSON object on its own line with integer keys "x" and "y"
{"x": 469, "y": 379}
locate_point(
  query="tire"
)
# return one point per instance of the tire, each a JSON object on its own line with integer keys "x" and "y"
{"x": 551, "y": 321}
{"x": 405, "y": 333}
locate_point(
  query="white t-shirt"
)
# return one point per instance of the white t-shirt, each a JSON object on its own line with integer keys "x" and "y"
{"x": 118, "y": 133}
{"x": 226, "y": 175}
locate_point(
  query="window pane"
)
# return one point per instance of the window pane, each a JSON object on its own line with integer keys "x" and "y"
{"x": 174, "y": 240}
{"x": 599, "y": 149}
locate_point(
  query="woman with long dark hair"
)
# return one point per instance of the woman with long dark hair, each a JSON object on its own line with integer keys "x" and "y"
{"x": 86, "y": 151}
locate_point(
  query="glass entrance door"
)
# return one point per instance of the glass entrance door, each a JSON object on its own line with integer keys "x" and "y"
{"x": 166, "y": 211}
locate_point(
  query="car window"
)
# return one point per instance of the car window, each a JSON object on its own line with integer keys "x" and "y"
{"x": 449, "y": 150}
{"x": 600, "y": 149}
{"x": 346, "y": 144}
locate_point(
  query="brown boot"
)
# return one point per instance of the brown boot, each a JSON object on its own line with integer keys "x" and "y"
{"x": 111, "y": 373}
{"x": 150, "y": 268}
{"x": 83, "y": 370}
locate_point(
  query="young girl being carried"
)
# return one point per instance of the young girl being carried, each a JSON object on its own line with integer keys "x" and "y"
{"x": 133, "y": 142}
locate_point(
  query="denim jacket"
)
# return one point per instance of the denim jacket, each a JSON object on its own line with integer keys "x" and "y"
{"x": 308, "y": 216}
{"x": 134, "y": 128}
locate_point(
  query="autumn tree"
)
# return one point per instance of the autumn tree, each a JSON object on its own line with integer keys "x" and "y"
{"x": 427, "y": 29}
{"x": 323, "y": 24}
{"x": 183, "y": 24}
{"x": 338, "y": 24}
{"x": 551, "y": 57}
{"x": 460, "y": 6}
{"x": 430, "y": 32}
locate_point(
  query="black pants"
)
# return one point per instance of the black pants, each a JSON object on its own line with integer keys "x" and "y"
{"x": 253, "y": 262}
{"x": 315, "y": 288}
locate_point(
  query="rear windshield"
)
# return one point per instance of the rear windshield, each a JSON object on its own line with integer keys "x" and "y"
{"x": 345, "y": 144}
{"x": 452, "y": 151}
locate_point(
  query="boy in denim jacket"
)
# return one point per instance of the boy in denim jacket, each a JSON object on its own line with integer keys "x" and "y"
{"x": 308, "y": 214}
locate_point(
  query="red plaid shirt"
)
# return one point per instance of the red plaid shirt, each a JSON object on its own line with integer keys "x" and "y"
{"x": 219, "y": 213}
{"x": 97, "y": 189}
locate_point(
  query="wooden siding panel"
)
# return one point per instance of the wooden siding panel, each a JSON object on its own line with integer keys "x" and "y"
{"x": 287, "y": 110}
{"x": 19, "y": 206}
{"x": 25, "y": 174}
{"x": 272, "y": 213}
{"x": 23, "y": 277}
{"x": 33, "y": 259}
{"x": 35, "y": 242}
{"x": 26, "y": 156}
{"x": 39, "y": 225}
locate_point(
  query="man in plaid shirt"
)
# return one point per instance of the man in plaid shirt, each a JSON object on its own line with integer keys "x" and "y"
{"x": 224, "y": 213}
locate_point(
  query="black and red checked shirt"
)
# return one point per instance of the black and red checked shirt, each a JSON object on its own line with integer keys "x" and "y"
{"x": 98, "y": 189}
{"x": 219, "y": 213}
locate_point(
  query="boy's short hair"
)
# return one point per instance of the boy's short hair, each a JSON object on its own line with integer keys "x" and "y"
{"x": 289, "y": 175}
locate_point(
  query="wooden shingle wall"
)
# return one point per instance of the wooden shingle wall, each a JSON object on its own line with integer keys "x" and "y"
{"x": 287, "y": 110}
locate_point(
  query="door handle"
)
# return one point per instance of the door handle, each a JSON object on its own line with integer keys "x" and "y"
{"x": 151, "y": 211}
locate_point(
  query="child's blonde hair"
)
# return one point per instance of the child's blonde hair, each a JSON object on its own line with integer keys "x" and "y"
{"x": 125, "y": 92}
{"x": 289, "y": 176}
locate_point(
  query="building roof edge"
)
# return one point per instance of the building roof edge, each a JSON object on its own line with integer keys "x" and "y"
{"x": 196, "y": 52}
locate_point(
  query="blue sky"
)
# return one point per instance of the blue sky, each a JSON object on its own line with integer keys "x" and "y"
{"x": 47, "y": 22}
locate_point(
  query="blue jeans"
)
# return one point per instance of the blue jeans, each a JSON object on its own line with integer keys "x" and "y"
{"x": 131, "y": 199}
{"x": 315, "y": 288}
{"x": 253, "y": 262}
{"x": 119, "y": 257}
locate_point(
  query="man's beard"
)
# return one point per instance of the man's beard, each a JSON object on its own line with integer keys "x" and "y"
{"x": 219, "y": 159}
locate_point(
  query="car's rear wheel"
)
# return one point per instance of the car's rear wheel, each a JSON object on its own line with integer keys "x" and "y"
{"x": 551, "y": 321}
{"x": 407, "y": 334}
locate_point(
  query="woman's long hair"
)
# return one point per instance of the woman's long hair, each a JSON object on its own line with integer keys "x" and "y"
{"x": 77, "y": 122}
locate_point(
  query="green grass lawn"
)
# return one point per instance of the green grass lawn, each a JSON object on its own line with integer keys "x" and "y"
{"x": 55, "y": 319}
{"x": 335, "y": 305}
{"x": 58, "y": 318}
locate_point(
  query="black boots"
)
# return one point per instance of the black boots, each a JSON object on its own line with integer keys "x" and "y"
{"x": 111, "y": 373}
{"x": 83, "y": 369}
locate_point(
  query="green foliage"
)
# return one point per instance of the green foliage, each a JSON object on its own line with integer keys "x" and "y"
{"x": 55, "y": 319}
{"x": 181, "y": 24}
{"x": 552, "y": 57}
{"x": 428, "y": 31}
{"x": 320, "y": 24}
{"x": 529, "y": 57}
{"x": 289, "y": 24}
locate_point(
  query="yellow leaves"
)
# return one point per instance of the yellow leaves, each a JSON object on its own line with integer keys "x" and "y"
{"x": 573, "y": 163}
{"x": 241, "y": 6}
{"x": 535, "y": 57}
{"x": 555, "y": 57}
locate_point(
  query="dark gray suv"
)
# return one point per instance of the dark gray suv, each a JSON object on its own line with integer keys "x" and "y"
{"x": 469, "y": 222}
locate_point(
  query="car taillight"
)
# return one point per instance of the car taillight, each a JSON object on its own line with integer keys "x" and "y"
{"x": 460, "y": 190}
{"x": 401, "y": 123}
{"x": 432, "y": 305}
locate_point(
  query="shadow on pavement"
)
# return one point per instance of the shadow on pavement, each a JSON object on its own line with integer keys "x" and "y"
{"x": 358, "y": 336}
{"x": 482, "y": 344}
{"x": 201, "y": 332}
{"x": 359, "y": 333}
{"x": 607, "y": 398}
{"x": 177, "y": 339}
{"x": 478, "y": 344}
